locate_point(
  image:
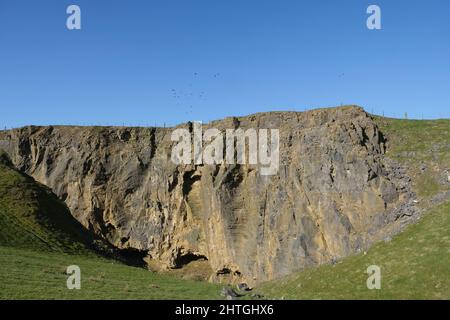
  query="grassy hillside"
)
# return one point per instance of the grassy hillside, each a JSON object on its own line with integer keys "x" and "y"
{"x": 414, "y": 265}
{"x": 32, "y": 274}
{"x": 423, "y": 146}
{"x": 31, "y": 216}
{"x": 39, "y": 239}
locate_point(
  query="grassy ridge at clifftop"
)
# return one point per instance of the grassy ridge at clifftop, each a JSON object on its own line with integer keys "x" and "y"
{"x": 423, "y": 146}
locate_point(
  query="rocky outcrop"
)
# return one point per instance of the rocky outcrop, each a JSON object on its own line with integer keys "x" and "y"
{"x": 334, "y": 193}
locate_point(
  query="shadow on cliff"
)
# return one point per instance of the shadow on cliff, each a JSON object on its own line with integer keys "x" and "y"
{"x": 32, "y": 216}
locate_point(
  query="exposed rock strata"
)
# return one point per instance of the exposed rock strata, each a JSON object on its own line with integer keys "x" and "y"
{"x": 333, "y": 195}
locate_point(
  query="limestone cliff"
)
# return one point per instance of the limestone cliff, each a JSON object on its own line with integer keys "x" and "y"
{"x": 334, "y": 193}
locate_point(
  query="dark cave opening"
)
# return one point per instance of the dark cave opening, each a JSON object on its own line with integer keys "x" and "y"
{"x": 133, "y": 257}
{"x": 187, "y": 258}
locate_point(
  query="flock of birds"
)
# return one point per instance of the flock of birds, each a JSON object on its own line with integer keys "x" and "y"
{"x": 189, "y": 96}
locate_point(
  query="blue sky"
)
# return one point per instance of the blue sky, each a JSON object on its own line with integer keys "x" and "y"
{"x": 169, "y": 61}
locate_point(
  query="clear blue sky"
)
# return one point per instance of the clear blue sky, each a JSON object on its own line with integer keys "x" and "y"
{"x": 146, "y": 62}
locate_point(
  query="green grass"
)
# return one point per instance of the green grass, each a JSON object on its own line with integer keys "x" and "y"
{"x": 31, "y": 216}
{"x": 416, "y": 143}
{"x": 417, "y": 140}
{"x": 39, "y": 239}
{"x": 31, "y": 274}
{"x": 427, "y": 185}
{"x": 414, "y": 265}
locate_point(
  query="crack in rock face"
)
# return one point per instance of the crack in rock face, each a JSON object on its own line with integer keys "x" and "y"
{"x": 334, "y": 194}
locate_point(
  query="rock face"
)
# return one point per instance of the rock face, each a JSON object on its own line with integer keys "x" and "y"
{"x": 333, "y": 194}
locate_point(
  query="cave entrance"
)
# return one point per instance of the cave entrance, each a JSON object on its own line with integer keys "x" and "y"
{"x": 187, "y": 258}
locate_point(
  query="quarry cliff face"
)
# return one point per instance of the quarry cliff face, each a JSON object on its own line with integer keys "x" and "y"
{"x": 334, "y": 193}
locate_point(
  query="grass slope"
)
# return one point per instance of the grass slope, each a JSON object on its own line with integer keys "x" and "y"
{"x": 31, "y": 216}
{"x": 424, "y": 147}
{"x": 31, "y": 274}
{"x": 39, "y": 239}
{"x": 414, "y": 265}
